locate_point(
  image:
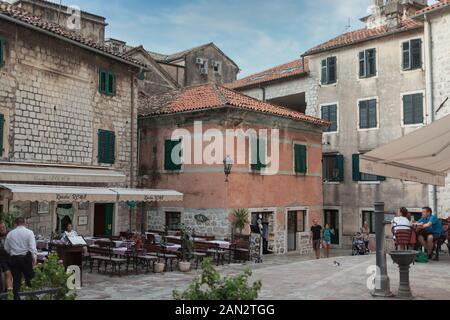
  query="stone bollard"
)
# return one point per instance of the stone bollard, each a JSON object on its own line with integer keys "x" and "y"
{"x": 382, "y": 285}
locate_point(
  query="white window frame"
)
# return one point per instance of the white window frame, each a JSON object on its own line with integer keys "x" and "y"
{"x": 163, "y": 170}
{"x": 403, "y": 71}
{"x": 300, "y": 143}
{"x": 424, "y": 105}
{"x": 337, "y": 71}
{"x": 376, "y": 63}
{"x": 378, "y": 114}
{"x": 337, "y": 116}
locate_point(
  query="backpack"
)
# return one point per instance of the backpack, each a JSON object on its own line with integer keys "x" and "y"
{"x": 421, "y": 257}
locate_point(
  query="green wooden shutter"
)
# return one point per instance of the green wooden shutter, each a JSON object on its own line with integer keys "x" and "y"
{"x": 332, "y": 110}
{"x": 2, "y": 121}
{"x": 362, "y": 64}
{"x": 332, "y": 70}
{"x": 102, "y": 81}
{"x": 111, "y": 84}
{"x": 408, "y": 110}
{"x": 324, "y": 72}
{"x": 169, "y": 163}
{"x": 363, "y": 115}
{"x": 301, "y": 159}
{"x": 111, "y": 147}
{"x": 340, "y": 167}
{"x": 258, "y": 149}
{"x": 355, "y": 165}
{"x": 416, "y": 53}
{"x": 2, "y": 52}
{"x": 406, "y": 55}
{"x": 418, "y": 108}
{"x": 372, "y": 114}
{"x": 380, "y": 178}
{"x": 371, "y": 62}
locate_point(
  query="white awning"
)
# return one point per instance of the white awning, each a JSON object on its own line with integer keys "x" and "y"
{"x": 58, "y": 174}
{"x": 422, "y": 156}
{"x": 41, "y": 193}
{"x": 142, "y": 195}
{"x": 19, "y": 192}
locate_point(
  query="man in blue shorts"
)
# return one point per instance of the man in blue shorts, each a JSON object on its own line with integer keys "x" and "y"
{"x": 431, "y": 230}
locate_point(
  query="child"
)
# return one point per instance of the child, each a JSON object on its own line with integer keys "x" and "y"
{"x": 327, "y": 240}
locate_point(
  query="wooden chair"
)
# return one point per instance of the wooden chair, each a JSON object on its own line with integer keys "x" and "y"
{"x": 404, "y": 237}
{"x": 105, "y": 255}
{"x": 241, "y": 250}
{"x": 161, "y": 253}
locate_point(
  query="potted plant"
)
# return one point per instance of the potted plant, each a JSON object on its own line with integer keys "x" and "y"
{"x": 186, "y": 249}
{"x": 240, "y": 220}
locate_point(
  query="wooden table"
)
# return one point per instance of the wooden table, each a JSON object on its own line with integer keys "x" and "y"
{"x": 71, "y": 256}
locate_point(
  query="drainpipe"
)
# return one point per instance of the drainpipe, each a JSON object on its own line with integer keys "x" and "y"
{"x": 429, "y": 88}
{"x": 263, "y": 89}
{"x": 132, "y": 133}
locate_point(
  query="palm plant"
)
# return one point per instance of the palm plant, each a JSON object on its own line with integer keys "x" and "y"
{"x": 240, "y": 219}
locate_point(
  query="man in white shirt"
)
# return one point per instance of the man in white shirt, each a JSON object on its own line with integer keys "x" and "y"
{"x": 20, "y": 243}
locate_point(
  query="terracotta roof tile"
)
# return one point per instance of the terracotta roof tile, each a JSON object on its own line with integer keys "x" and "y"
{"x": 23, "y": 16}
{"x": 438, "y": 5}
{"x": 362, "y": 35}
{"x": 210, "y": 96}
{"x": 287, "y": 70}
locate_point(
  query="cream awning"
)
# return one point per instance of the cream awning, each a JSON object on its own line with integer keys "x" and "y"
{"x": 58, "y": 174}
{"x": 142, "y": 195}
{"x": 422, "y": 156}
{"x": 19, "y": 192}
{"x": 41, "y": 193}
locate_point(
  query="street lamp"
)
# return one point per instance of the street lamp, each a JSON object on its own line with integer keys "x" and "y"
{"x": 227, "y": 166}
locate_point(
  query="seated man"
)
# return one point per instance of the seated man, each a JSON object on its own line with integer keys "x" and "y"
{"x": 431, "y": 230}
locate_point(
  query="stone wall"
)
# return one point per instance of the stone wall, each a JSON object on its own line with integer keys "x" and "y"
{"x": 53, "y": 109}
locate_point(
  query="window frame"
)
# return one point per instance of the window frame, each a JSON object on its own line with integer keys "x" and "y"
{"x": 424, "y": 108}
{"x": 104, "y": 160}
{"x": 410, "y": 54}
{"x": 295, "y": 144}
{"x": 258, "y": 166}
{"x": 371, "y": 221}
{"x": 336, "y": 104}
{"x": 180, "y": 167}
{"x": 168, "y": 214}
{"x": 365, "y": 61}
{"x": 108, "y": 74}
{"x": 377, "y": 114}
{"x": 341, "y": 174}
{"x": 327, "y": 60}
{"x": 359, "y": 179}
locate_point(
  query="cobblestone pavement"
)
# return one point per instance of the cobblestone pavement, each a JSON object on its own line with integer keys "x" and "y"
{"x": 283, "y": 277}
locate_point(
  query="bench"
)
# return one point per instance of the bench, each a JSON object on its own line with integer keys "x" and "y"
{"x": 105, "y": 255}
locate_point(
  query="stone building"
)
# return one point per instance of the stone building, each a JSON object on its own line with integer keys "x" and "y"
{"x": 436, "y": 19}
{"x": 68, "y": 126}
{"x": 212, "y": 116}
{"x": 370, "y": 83}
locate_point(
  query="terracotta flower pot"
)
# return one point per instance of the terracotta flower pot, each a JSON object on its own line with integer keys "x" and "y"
{"x": 184, "y": 266}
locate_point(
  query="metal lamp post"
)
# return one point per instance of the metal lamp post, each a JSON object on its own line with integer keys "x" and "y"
{"x": 227, "y": 166}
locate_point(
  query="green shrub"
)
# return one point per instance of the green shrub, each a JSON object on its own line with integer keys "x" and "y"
{"x": 9, "y": 218}
{"x": 51, "y": 275}
{"x": 210, "y": 286}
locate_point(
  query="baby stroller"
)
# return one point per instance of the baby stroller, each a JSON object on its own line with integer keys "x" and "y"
{"x": 358, "y": 245}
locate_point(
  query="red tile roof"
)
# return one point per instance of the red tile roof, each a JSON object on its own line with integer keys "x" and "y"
{"x": 439, "y": 5}
{"x": 211, "y": 96}
{"x": 287, "y": 70}
{"x": 20, "y": 15}
{"x": 362, "y": 35}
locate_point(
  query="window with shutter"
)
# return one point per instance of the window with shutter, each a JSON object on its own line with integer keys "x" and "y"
{"x": 259, "y": 153}
{"x": 413, "y": 109}
{"x": 333, "y": 168}
{"x": 107, "y": 83}
{"x": 368, "y": 114}
{"x": 329, "y": 113}
{"x": 106, "y": 147}
{"x": 412, "y": 54}
{"x": 2, "y": 126}
{"x": 367, "y": 63}
{"x": 2, "y": 52}
{"x": 172, "y": 159}
{"x": 329, "y": 68}
{"x": 359, "y": 176}
{"x": 301, "y": 158}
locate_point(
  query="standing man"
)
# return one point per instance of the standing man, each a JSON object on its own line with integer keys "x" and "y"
{"x": 4, "y": 257}
{"x": 21, "y": 246}
{"x": 316, "y": 237}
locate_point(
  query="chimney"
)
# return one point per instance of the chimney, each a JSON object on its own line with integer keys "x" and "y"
{"x": 394, "y": 13}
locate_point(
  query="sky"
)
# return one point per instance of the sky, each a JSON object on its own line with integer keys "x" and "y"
{"x": 256, "y": 34}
